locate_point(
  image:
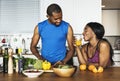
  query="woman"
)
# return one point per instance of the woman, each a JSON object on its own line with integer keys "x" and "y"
{"x": 98, "y": 50}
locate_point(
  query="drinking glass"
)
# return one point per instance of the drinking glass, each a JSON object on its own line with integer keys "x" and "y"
{"x": 78, "y": 40}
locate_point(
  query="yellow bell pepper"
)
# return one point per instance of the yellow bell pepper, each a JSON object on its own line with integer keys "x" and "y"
{"x": 46, "y": 65}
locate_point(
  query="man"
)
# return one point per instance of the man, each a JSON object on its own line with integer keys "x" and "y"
{"x": 54, "y": 32}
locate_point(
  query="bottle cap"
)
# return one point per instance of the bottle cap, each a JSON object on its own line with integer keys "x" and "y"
{"x": 20, "y": 50}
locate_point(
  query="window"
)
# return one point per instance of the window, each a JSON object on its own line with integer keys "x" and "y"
{"x": 18, "y": 15}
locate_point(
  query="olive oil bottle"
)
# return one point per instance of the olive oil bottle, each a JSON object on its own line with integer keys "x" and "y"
{"x": 20, "y": 61}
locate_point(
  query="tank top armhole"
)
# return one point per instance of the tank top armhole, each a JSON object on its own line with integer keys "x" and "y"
{"x": 39, "y": 28}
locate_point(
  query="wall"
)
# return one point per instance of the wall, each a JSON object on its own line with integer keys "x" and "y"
{"x": 76, "y": 12}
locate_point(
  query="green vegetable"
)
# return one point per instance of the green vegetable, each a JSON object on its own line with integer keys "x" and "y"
{"x": 64, "y": 66}
{"x": 27, "y": 62}
{"x": 38, "y": 64}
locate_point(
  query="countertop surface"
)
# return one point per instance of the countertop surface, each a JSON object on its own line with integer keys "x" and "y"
{"x": 116, "y": 51}
{"x": 109, "y": 74}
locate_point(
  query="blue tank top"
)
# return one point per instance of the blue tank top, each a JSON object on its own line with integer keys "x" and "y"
{"x": 53, "y": 40}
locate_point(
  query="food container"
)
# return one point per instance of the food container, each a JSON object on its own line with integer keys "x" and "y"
{"x": 32, "y": 73}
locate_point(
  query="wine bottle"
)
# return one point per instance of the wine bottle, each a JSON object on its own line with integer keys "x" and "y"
{"x": 5, "y": 60}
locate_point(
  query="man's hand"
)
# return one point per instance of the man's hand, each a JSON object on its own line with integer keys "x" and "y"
{"x": 58, "y": 63}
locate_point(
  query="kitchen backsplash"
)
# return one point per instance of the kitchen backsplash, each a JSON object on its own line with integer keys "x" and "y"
{"x": 23, "y": 40}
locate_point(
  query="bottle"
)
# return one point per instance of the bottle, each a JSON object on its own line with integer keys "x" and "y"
{"x": 5, "y": 60}
{"x": 16, "y": 50}
{"x": 16, "y": 69}
{"x": 20, "y": 61}
{"x": 10, "y": 61}
{"x": 16, "y": 60}
{"x": 0, "y": 50}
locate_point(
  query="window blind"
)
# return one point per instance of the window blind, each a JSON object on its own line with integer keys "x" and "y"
{"x": 19, "y": 16}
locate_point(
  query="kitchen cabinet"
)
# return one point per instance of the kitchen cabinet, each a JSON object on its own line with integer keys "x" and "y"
{"x": 111, "y": 22}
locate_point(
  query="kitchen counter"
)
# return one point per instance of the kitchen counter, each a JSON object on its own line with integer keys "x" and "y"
{"x": 109, "y": 74}
{"x": 116, "y": 51}
{"x": 116, "y": 58}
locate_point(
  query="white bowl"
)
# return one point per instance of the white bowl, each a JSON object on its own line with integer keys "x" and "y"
{"x": 32, "y": 73}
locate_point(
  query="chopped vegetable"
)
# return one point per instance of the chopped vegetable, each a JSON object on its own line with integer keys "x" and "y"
{"x": 64, "y": 66}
